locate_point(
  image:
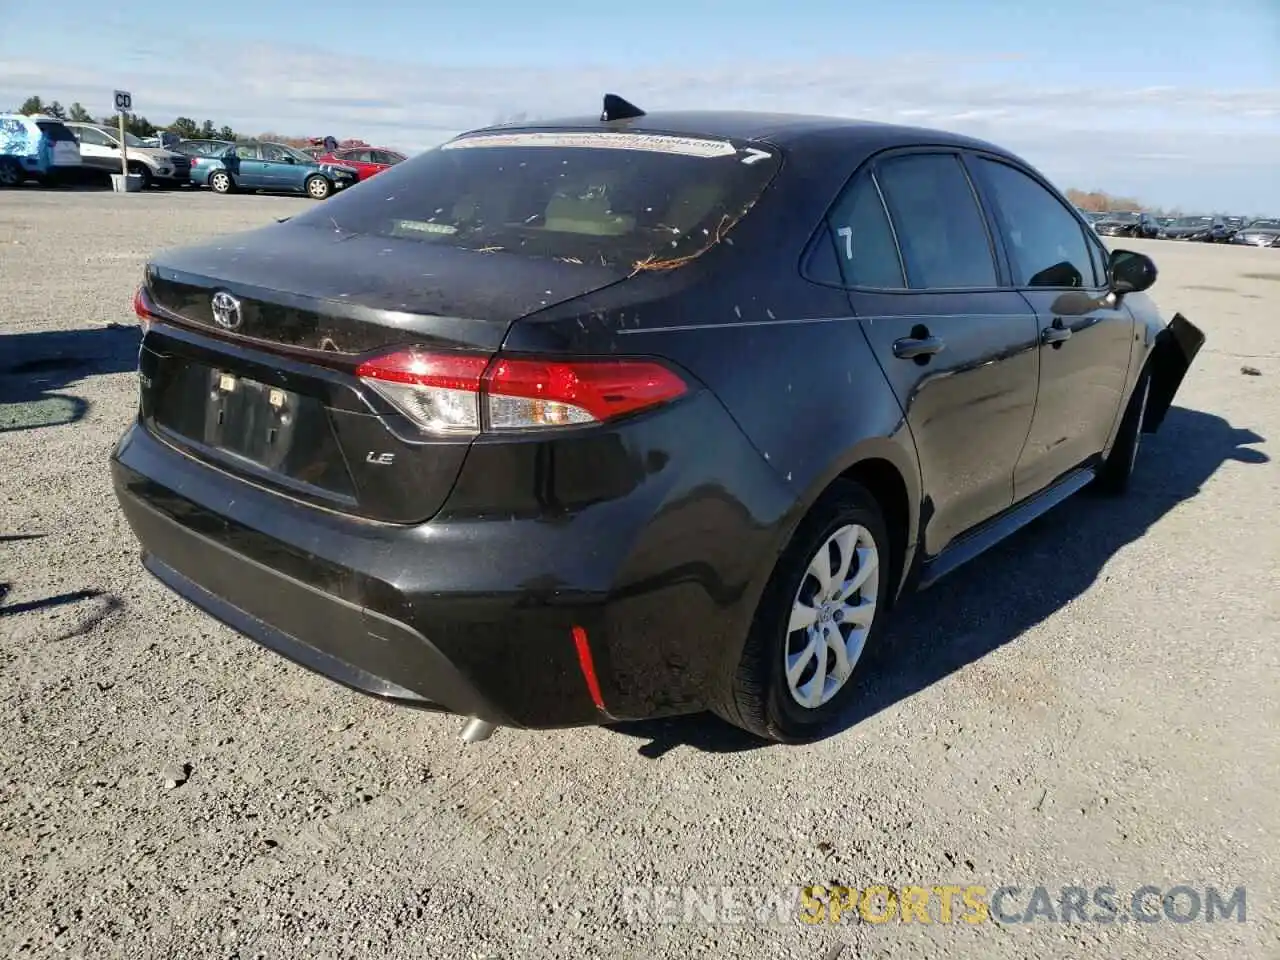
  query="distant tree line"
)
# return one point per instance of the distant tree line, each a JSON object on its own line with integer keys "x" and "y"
{"x": 140, "y": 126}
{"x": 1099, "y": 201}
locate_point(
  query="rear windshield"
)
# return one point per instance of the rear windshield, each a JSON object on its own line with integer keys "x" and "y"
{"x": 55, "y": 130}
{"x": 629, "y": 200}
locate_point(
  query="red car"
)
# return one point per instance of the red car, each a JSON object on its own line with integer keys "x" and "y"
{"x": 366, "y": 161}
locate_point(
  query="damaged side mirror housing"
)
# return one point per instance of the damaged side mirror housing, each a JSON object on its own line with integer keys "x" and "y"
{"x": 1131, "y": 272}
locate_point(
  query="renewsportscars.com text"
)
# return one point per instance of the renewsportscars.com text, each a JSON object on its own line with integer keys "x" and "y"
{"x": 933, "y": 904}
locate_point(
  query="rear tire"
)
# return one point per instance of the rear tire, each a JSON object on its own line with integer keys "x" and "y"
{"x": 220, "y": 182}
{"x": 795, "y": 685}
{"x": 1117, "y": 470}
{"x": 318, "y": 188}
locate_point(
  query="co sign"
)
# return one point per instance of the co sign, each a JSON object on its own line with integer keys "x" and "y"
{"x": 124, "y": 101}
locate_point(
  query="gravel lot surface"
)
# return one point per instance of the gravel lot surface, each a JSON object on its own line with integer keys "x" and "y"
{"x": 1094, "y": 703}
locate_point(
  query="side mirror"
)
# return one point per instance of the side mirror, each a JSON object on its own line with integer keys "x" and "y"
{"x": 1131, "y": 272}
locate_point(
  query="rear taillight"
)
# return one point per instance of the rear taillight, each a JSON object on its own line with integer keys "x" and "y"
{"x": 142, "y": 307}
{"x": 457, "y": 393}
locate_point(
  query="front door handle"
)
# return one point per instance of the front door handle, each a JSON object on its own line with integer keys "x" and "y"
{"x": 913, "y": 348}
{"x": 1056, "y": 335}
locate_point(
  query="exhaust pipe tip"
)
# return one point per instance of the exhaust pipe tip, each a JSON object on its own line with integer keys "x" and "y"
{"x": 476, "y": 730}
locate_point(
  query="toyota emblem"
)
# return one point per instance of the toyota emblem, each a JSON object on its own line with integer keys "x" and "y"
{"x": 226, "y": 310}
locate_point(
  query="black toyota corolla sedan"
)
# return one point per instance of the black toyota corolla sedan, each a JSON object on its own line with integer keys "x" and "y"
{"x": 632, "y": 415}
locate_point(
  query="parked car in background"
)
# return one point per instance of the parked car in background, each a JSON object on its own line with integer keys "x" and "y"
{"x": 366, "y": 161}
{"x": 204, "y": 148}
{"x": 164, "y": 139}
{"x": 510, "y": 430}
{"x": 100, "y": 150}
{"x": 1259, "y": 233}
{"x": 206, "y": 152}
{"x": 1202, "y": 228}
{"x": 36, "y": 148}
{"x": 1125, "y": 223}
{"x": 271, "y": 167}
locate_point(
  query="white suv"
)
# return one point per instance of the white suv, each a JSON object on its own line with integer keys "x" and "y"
{"x": 100, "y": 149}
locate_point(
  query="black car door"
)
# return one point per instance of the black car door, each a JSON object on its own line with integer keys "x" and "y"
{"x": 956, "y": 344}
{"x": 1086, "y": 338}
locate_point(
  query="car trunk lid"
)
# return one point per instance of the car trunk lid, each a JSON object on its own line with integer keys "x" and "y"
{"x": 343, "y": 293}
{"x": 266, "y": 390}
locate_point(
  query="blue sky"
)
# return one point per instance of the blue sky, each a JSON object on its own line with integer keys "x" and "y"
{"x": 1175, "y": 102}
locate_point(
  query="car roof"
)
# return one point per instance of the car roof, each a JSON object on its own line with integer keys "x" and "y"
{"x": 781, "y": 129}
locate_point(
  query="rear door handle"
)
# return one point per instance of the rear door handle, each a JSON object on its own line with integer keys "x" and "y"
{"x": 911, "y": 348}
{"x": 1056, "y": 335}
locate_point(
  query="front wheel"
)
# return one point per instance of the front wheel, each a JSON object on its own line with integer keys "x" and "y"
{"x": 143, "y": 171}
{"x": 220, "y": 182}
{"x": 317, "y": 188}
{"x": 820, "y": 614}
{"x": 1117, "y": 470}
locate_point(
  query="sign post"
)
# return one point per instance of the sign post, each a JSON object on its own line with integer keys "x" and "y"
{"x": 124, "y": 105}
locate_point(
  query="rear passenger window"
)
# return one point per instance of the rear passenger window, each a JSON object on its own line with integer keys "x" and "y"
{"x": 1046, "y": 243}
{"x": 940, "y": 228}
{"x": 865, "y": 248}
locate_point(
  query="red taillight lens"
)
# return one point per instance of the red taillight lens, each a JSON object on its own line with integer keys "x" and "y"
{"x": 524, "y": 393}
{"x": 446, "y": 393}
{"x": 438, "y": 391}
{"x": 142, "y": 307}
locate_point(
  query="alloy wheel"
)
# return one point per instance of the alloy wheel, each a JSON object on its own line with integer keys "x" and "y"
{"x": 831, "y": 616}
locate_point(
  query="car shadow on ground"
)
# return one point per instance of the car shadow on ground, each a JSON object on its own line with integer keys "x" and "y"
{"x": 36, "y": 369}
{"x": 1002, "y": 594}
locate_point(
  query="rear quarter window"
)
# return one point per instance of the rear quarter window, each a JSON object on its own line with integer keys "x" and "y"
{"x": 633, "y": 200}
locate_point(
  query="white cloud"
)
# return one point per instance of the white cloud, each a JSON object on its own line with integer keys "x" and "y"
{"x": 1188, "y": 144}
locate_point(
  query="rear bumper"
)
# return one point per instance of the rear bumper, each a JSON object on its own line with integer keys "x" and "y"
{"x": 470, "y": 614}
{"x": 324, "y": 614}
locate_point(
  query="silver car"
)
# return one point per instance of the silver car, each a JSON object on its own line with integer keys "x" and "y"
{"x": 100, "y": 150}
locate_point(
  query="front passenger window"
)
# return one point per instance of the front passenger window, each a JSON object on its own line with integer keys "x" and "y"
{"x": 1046, "y": 243}
{"x": 865, "y": 247}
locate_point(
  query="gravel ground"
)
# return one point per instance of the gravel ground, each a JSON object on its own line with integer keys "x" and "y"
{"x": 1095, "y": 702}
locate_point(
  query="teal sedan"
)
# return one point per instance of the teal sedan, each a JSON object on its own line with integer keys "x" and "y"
{"x": 271, "y": 167}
